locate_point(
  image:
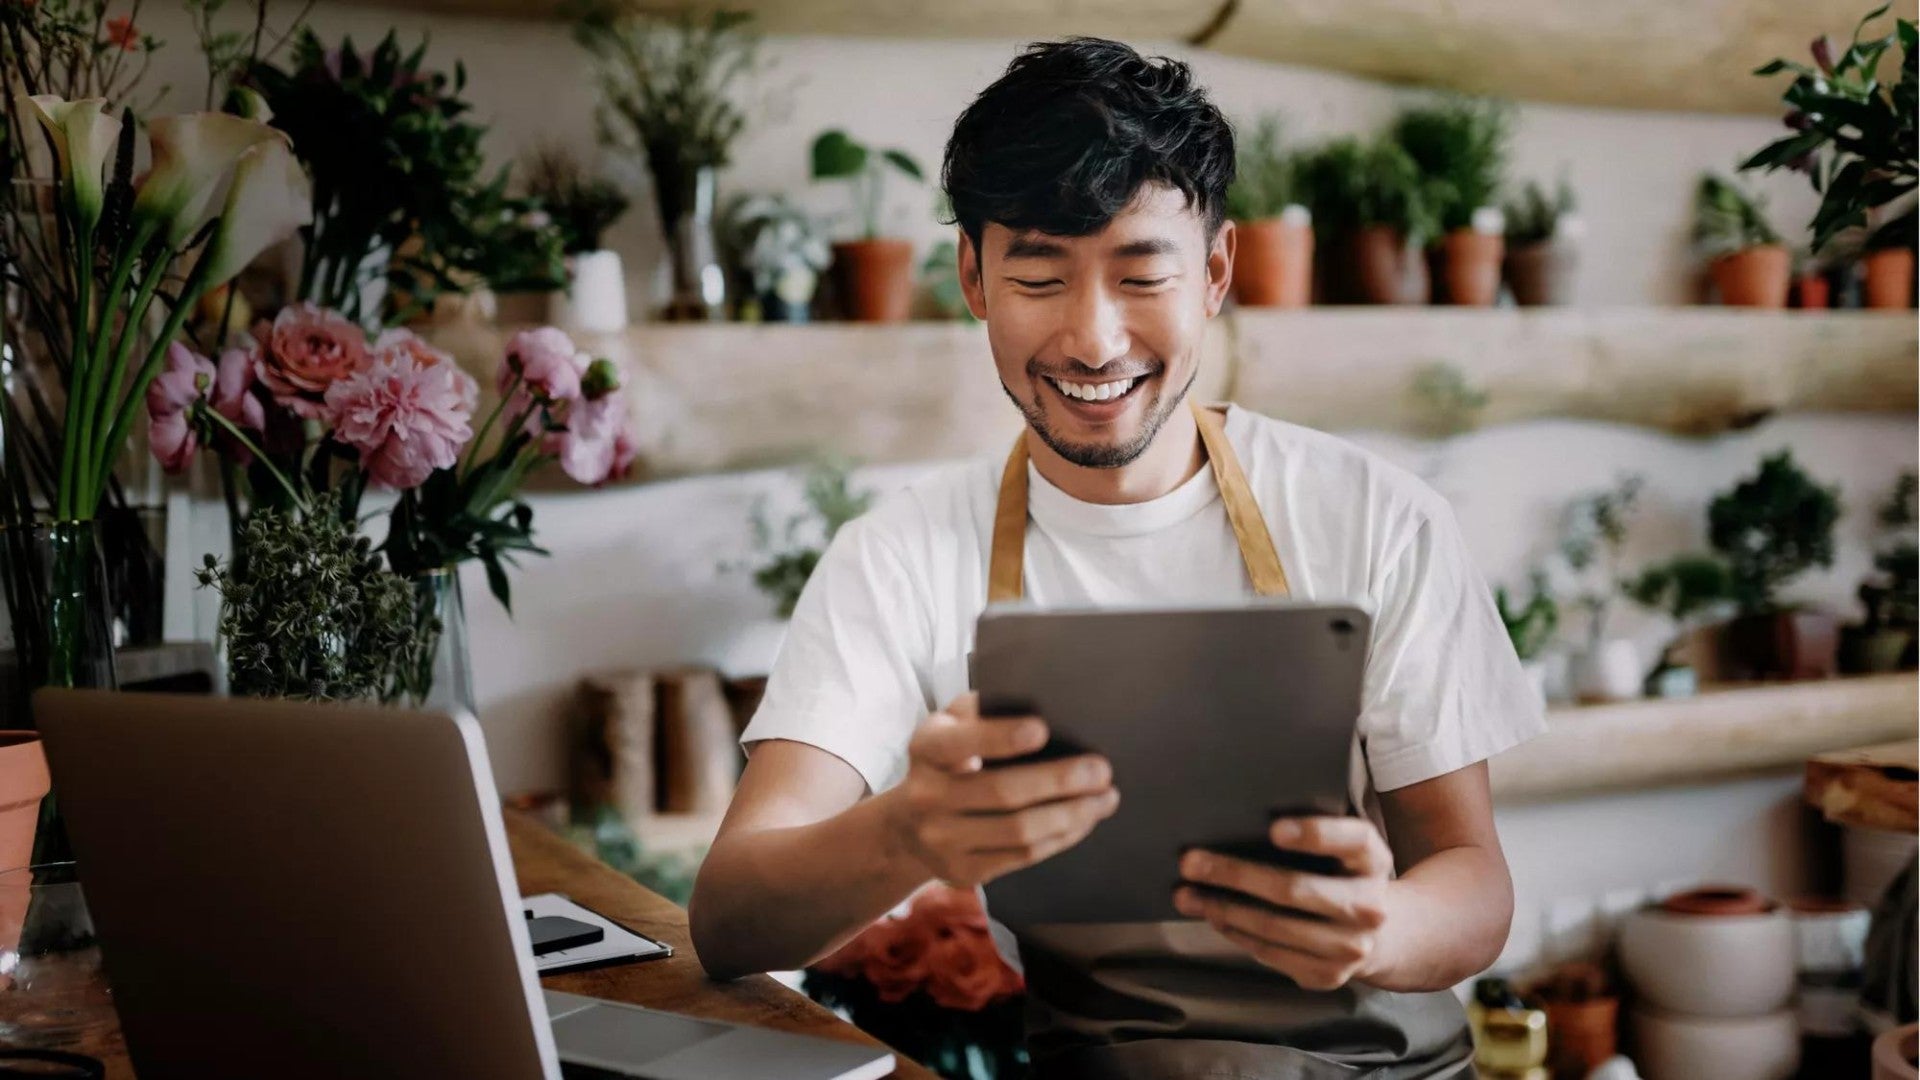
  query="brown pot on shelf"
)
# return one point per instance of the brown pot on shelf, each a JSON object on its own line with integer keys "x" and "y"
{"x": 1811, "y": 292}
{"x": 1273, "y": 263}
{"x": 1470, "y": 267}
{"x": 1792, "y": 645}
{"x": 1756, "y": 277}
{"x": 24, "y": 781}
{"x": 1541, "y": 273}
{"x": 1386, "y": 269}
{"x": 875, "y": 277}
{"x": 1889, "y": 278}
{"x": 1583, "y": 1019}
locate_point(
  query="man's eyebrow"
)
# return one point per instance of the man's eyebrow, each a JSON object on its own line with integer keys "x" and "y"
{"x": 1033, "y": 246}
{"x": 1157, "y": 245}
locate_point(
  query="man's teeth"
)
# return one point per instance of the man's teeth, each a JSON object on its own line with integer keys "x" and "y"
{"x": 1105, "y": 391}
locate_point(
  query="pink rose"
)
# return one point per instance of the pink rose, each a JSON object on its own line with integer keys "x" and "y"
{"x": 897, "y": 959}
{"x": 547, "y": 364}
{"x": 406, "y": 419}
{"x": 305, "y": 351}
{"x": 171, "y": 396}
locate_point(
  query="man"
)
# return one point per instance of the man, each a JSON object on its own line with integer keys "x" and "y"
{"x": 1088, "y": 184}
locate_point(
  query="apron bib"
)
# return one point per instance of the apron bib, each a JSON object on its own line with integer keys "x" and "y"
{"x": 1174, "y": 999}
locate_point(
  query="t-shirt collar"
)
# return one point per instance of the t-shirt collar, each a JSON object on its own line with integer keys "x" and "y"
{"x": 1057, "y": 511}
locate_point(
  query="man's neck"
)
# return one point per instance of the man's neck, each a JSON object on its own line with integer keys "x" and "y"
{"x": 1169, "y": 461}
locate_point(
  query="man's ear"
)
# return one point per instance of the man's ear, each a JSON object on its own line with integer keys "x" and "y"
{"x": 1220, "y": 267}
{"x": 970, "y": 284}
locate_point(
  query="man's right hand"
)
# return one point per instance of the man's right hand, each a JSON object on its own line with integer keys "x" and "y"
{"x": 969, "y": 824}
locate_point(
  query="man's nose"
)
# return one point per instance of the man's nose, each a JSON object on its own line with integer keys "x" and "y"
{"x": 1095, "y": 332}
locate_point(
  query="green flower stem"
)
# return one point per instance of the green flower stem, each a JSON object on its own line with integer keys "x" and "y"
{"x": 96, "y": 456}
{"x": 189, "y": 295}
{"x": 473, "y": 448}
{"x": 239, "y": 435}
{"x": 71, "y": 475}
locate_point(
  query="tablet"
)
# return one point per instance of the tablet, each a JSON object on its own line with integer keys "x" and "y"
{"x": 1216, "y": 720}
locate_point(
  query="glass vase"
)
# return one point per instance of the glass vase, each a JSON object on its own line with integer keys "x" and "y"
{"x": 53, "y": 992}
{"x": 442, "y": 676}
{"x": 686, "y": 195}
{"x": 56, "y": 629}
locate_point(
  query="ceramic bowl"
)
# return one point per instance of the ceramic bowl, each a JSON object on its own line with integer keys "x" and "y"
{"x": 1709, "y": 965}
{"x": 1670, "y": 1046}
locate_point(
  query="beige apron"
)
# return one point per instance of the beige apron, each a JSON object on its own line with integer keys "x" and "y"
{"x": 1174, "y": 999}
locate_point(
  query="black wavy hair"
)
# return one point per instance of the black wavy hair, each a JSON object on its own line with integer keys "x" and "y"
{"x": 1066, "y": 138}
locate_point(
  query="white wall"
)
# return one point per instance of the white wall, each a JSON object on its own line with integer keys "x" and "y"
{"x": 636, "y": 578}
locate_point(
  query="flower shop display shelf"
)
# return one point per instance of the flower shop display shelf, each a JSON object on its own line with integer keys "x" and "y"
{"x": 716, "y": 398}
{"x": 1726, "y": 730}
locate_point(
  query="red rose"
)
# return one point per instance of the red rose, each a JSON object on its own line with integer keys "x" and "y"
{"x": 896, "y": 963}
{"x": 966, "y": 973}
{"x": 943, "y": 906}
{"x": 306, "y": 350}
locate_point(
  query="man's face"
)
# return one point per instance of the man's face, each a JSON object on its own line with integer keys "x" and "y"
{"x": 1097, "y": 337}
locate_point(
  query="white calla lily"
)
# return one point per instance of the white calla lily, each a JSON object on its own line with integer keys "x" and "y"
{"x": 269, "y": 198}
{"x": 247, "y": 102}
{"x": 83, "y": 140}
{"x": 192, "y": 154}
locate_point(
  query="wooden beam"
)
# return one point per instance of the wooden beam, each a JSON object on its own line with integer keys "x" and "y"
{"x": 1873, "y": 787}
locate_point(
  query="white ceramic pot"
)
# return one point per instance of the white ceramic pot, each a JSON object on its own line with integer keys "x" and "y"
{"x": 1671, "y": 1046}
{"x": 596, "y": 300}
{"x": 1869, "y": 861}
{"x": 1710, "y": 965}
{"x": 1610, "y": 672}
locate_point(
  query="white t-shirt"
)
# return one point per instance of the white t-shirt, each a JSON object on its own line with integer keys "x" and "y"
{"x": 881, "y": 635}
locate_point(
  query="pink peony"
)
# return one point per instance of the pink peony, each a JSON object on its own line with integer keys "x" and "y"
{"x": 595, "y": 443}
{"x": 171, "y": 397}
{"x": 306, "y": 351}
{"x": 406, "y": 419}
{"x": 402, "y": 340}
{"x": 546, "y": 362}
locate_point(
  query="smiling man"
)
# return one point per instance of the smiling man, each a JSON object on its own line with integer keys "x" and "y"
{"x": 1088, "y": 184}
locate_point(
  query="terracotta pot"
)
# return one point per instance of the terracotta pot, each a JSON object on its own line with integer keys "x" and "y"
{"x": 23, "y": 783}
{"x": 1757, "y": 277}
{"x": 1386, "y": 269}
{"x": 1541, "y": 273}
{"x": 1890, "y": 278}
{"x": 1717, "y": 900}
{"x": 1810, "y": 292}
{"x": 1273, "y": 263}
{"x": 1895, "y": 1052}
{"x": 876, "y": 278}
{"x": 1793, "y": 645}
{"x": 1470, "y": 267}
{"x": 1581, "y": 1035}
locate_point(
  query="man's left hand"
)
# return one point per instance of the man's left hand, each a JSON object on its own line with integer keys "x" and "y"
{"x": 1320, "y": 930}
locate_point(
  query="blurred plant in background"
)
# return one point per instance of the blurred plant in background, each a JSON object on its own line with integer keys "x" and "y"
{"x": 795, "y": 549}
{"x": 1460, "y": 148}
{"x": 582, "y": 206}
{"x": 1729, "y": 219}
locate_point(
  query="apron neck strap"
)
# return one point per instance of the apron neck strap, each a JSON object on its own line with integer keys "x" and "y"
{"x": 1006, "y": 566}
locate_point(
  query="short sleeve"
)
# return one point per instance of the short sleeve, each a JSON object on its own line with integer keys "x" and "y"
{"x": 1444, "y": 688}
{"x": 846, "y": 678}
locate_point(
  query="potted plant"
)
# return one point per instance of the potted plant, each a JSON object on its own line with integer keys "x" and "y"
{"x": 1371, "y": 201}
{"x": 666, "y": 82}
{"x": 1854, "y": 137}
{"x": 1811, "y": 290}
{"x": 1684, "y": 589}
{"x": 1884, "y": 639}
{"x": 1749, "y": 264}
{"x": 1593, "y": 534}
{"x": 1531, "y": 628}
{"x": 780, "y": 252}
{"x": 1768, "y": 529}
{"x": 875, "y": 272}
{"x": 1273, "y": 230}
{"x": 1543, "y": 234}
{"x": 583, "y": 207}
{"x": 1460, "y": 147}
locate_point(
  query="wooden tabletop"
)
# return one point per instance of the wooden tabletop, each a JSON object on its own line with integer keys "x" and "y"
{"x": 543, "y": 863}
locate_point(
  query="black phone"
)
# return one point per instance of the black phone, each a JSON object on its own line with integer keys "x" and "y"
{"x": 551, "y": 933}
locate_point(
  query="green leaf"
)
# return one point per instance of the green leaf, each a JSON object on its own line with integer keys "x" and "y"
{"x": 904, "y": 163}
{"x": 1783, "y": 151}
{"x": 835, "y": 156}
{"x": 497, "y": 581}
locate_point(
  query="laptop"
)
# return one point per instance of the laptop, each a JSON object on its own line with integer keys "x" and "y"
{"x": 322, "y": 891}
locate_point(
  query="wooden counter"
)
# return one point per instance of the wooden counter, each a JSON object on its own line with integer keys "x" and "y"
{"x": 544, "y": 862}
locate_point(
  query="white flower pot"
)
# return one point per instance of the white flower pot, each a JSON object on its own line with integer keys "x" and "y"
{"x": 596, "y": 299}
{"x": 1710, "y": 965}
{"x": 1672, "y": 1046}
{"x": 1611, "y": 672}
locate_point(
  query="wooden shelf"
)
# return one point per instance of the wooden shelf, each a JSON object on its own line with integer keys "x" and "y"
{"x": 720, "y": 397}
{"x": 1723, "y": 731}
{"x": 1873, "y": 787}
